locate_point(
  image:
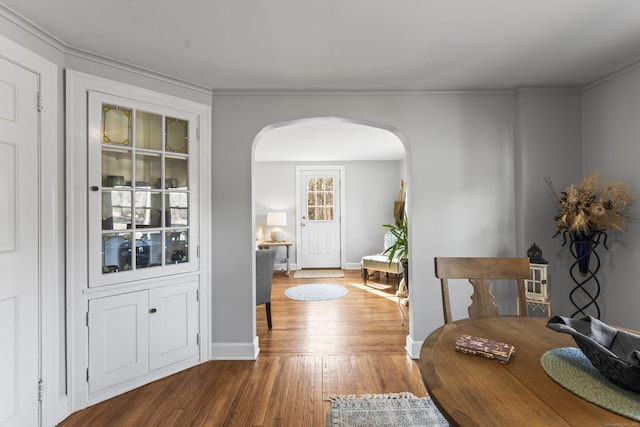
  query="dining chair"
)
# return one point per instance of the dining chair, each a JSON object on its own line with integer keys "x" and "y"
{"x": 481, "y": 272}
{"x": 265, "y": 259}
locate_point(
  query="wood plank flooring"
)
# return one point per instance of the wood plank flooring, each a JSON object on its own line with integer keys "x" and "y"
{"x": 353, "y": 345}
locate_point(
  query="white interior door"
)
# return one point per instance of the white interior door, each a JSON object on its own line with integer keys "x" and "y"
{"x": 319, "y": 218}
{"x": 19, "y": 254}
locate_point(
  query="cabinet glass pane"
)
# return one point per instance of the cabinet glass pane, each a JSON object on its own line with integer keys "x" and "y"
{"x": 177, "y": 249}
{"x": 148, "y": 209}
{"x": 176, "y": 172}
{"x": 148, "y": 170}
{"x": 148, "y": 130}
{"x": 178, "y": 205}
{"x": 125, "y": 258}
{"x": 145, "y": 190}
{"x": 116, "y": 210}
{"x": 113, "y": 258}
{"x": 116, "y": 167}
{"x": 116, "y": 125}
{"x": 148, "y": 249}
{"x": 177, "y": 133}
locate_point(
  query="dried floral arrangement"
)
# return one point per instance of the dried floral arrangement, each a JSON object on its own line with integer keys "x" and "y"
{"x": 587, "y": 207}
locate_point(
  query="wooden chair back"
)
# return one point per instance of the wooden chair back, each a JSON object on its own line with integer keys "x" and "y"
{"x": 481, "y": 272}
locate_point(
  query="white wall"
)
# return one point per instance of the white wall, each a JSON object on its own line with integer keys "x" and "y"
{"x": 612, "y": 147}
{"x": 371, "y": 188}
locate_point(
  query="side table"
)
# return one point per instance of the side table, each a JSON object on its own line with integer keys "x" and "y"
{"x": 265, "y": 244}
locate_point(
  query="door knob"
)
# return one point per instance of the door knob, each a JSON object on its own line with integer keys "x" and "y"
{"x": 153, "y": 310}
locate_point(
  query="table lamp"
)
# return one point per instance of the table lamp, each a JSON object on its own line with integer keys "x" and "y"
{"x": 277, "y": 219}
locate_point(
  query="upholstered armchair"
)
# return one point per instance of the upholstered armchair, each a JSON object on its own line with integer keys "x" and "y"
{"x": 265, "y": 259}
{"x": 380, "y": 262}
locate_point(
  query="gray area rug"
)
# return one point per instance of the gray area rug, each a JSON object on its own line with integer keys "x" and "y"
{"x": 377, "y": 410}
{"x": 316, "y": 292}
{"x": 314, "y": 274}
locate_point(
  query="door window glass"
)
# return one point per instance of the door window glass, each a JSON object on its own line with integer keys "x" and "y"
{"x": 320, "y": 202}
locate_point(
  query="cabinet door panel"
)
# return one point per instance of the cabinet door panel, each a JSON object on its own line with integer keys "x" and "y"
{"x": 173, "y": 324}
{"x": 118, "y": 339}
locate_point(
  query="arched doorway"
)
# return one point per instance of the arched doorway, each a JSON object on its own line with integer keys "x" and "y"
{"x": 375, "y": 155}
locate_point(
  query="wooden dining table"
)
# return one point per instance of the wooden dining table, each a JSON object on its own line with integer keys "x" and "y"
{"x": 475, "y": 391}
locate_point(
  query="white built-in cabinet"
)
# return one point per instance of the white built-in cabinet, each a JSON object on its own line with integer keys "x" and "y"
{"x": 143, "y": 242}
{"x": 135, "y": 333}
{"x": 136, "y": 276}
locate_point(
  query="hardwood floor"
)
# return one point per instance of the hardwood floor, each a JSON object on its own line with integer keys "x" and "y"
{"x": 353, "y": 345}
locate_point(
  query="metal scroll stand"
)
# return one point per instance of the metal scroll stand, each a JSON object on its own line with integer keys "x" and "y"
{"x": 582, "y": 250}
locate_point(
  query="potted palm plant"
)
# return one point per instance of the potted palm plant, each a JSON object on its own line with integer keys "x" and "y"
{"x": 399, "y": 250}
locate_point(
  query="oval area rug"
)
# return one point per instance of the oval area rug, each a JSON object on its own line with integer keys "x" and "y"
{"x": 316, "y": 292}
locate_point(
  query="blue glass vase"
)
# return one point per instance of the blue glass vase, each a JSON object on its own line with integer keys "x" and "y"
{"x": 583, "y": 244}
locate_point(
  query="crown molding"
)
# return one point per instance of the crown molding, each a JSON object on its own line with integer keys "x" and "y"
{"x": 31, "y": 28}
{"x": 67, "y": 50}
{"x": 614, "y": 75}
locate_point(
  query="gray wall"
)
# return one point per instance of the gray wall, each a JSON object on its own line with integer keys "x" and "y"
{"x": 371, "y": 188}
{"x": 461, "y": 174}
{"x": 612, "y": 146}
{"x": 550, "y": 145}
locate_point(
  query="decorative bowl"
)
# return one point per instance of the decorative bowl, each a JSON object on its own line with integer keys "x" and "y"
{"x": 613, "y": 352}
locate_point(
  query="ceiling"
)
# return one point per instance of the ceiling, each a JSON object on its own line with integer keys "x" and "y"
{"x": 352, "y": 44}
{"x": 349, "y": 45}
{"x": 328, "y": 139}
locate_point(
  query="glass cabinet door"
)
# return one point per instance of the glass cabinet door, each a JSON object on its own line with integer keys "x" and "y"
{"x": 145, "y": 188}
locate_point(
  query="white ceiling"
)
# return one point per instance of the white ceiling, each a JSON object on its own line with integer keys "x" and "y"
{"x": 351, "y": 44}
{"x": 327, "y": 139}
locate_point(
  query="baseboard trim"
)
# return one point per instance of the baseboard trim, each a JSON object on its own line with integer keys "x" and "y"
{"x": 413, "y": 347}
{"x": 235, "y": 351}
{"x": 283, "y": 267}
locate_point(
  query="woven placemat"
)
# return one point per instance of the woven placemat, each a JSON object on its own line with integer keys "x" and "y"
{"x": 570, "y": 368}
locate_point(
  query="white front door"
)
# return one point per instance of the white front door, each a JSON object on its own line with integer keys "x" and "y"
{"x": 19, "y": 254}
{"x": 319, "y": 218}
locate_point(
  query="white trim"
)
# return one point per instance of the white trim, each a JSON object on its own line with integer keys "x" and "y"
{"x": 413, "y": 347}
{"x": 78, "y": 85}
{"x": 54, "y": 407}
{"x": 58, "y": 44}
{"x": 235, "y": 351}
{"x": 351, "y": 266}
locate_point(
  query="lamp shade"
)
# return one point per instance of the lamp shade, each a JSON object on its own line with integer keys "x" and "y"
{"x": 277, "y": 219}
